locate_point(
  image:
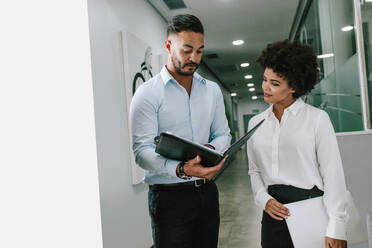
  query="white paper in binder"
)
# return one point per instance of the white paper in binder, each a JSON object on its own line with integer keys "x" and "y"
{"x": 308, "y": 222}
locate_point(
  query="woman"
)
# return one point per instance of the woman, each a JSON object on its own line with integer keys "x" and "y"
{"x": 294, "y": 154}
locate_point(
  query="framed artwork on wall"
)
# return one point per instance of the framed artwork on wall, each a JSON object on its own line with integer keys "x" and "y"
{"x": 139, "y": 65}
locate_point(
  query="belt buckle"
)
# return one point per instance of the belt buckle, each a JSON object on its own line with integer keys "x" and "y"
{"x": 198, "y": 185}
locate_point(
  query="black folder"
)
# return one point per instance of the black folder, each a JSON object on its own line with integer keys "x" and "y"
{"x": 177, "y": 148}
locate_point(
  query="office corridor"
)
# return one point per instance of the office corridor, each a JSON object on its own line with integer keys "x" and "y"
{"x": 240, "y": 217}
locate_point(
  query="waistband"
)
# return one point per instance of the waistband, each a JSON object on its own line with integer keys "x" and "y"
{"x": 179, "y": 186}
{"x": 287, "y": 193}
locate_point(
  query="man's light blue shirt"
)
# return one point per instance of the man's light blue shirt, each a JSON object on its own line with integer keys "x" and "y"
{"x": 163, "y": 105}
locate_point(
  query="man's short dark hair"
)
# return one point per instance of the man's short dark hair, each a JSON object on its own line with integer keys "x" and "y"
{"x": 186, "y": 22}
{"x": 294, "y": 61}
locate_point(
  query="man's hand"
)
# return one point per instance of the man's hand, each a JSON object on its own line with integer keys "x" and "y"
{"x": 335, "y": 243}
{"x": 276, "y": 210}
{"x": 195, "y": 169}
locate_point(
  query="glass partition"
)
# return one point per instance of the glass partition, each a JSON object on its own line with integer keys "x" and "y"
{"x": 329, "y": 28}
{"x": 367, "y": 37}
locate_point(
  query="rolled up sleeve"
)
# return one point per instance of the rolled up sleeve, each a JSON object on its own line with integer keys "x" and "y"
{"x": 220, "y": 132}
{"x": 144, "y": 128}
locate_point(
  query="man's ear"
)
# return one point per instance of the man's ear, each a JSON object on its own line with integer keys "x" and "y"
{"x": 168, "y": 44}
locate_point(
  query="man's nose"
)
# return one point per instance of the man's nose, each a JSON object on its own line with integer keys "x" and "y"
{"x": 193, "y": 57}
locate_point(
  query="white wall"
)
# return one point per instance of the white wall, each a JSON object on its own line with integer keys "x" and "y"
{"x": 48, "y": 164}
{"x": 125, "y": 218}
{"x": 356, "y": 157}
{"x": 246, "y": 107}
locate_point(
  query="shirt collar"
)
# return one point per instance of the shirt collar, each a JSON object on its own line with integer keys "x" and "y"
{"x": 268, "y": 112}
{"x": 293, "y": 108}
{"x": 166, "y": 76}
{"x": 296, "y": 106}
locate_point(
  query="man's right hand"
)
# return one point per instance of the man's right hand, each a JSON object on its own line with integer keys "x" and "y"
{"x": 195, "y": 169}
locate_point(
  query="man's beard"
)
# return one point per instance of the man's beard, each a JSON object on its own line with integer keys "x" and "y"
{"x": 177, "y": 65}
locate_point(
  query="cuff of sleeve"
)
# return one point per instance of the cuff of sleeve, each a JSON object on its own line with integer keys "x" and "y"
{"x": 171, "y": 166}
{"x": 262, "y": 199}
{"x": 336, "y": 229}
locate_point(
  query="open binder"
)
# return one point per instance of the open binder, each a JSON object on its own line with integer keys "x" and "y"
{"x": 177, "y": 148}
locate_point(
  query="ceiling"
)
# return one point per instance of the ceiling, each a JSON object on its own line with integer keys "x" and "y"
{"x": 257, "y": 22}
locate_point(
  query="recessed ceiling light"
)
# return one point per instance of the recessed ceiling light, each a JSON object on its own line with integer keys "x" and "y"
{"x": 252, "y": 89}
{"x": 250, "y": 85}
{"x": 254, "y": 97}
{"x": 244, "y": 64}
{"x": 238, "y": 42}
{"x": 233, "y": 94}
{"x": 326, "y": 55}
{"x": 347, "y": 28}
{"x": 248, "y": 76}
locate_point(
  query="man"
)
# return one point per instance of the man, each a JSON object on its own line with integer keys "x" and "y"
{"x": 183, "y": 203}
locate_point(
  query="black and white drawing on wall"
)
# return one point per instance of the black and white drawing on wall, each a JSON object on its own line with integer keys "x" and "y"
{"x": 145, "y": 71}
{"x": 139, "y": 65}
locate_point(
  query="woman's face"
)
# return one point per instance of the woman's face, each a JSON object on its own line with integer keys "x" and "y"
{"x": 276, "y": 88}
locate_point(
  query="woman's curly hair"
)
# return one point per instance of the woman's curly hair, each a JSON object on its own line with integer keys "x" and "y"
{"x": 294, "y": 61}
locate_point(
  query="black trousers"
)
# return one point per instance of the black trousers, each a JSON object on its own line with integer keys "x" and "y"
{"x": 184, "y": 217}
{"x": 274, "y": 233}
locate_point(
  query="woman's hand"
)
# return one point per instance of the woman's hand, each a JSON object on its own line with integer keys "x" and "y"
{"x": 335, "y": 243}
{"x": 276, "y": 210}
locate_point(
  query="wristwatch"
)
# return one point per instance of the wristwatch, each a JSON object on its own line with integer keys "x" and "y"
{"x": 181, "y": 173}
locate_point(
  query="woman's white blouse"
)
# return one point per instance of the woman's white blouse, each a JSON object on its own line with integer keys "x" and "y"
{"x": 301, "y": 150}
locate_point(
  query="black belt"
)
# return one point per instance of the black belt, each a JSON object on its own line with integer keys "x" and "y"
{"x": 287, "y": 193}
{"x": 189, "y": 184}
